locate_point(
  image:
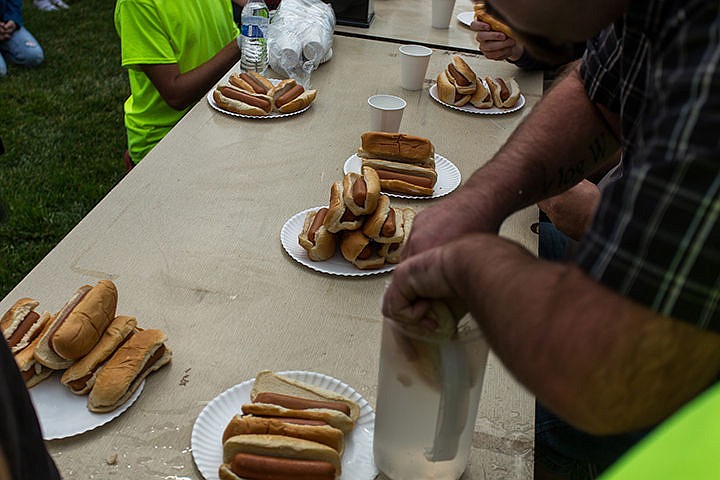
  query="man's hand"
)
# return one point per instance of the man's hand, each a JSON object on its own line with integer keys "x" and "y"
{"x": 573, "y": 211}
{"x": 7, "y": 29}
{"x": 495, "y": 45}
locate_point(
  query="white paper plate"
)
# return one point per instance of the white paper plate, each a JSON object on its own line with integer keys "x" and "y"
{"x": 482, "y": 111}
{"x": 336, "y": 265}
{"x": 466, "y": 18}
{"x": 63, "y": 414}
{"x": 274, "y": 81}
{"x": 206, "y": 440}
{"x": 447, "y": 181}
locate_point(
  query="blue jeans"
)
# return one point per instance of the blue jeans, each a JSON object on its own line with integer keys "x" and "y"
{"x": 21, "y": 49}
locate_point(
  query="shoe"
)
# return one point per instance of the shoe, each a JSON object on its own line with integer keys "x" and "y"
{"x": 60, "y": 4}
{"x": 45, "y": 5}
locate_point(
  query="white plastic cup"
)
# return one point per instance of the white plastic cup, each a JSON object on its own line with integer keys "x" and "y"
{"x": 414, "y": 60}
{"x": 441, "y": 12}
{"x": 386, "y": 113}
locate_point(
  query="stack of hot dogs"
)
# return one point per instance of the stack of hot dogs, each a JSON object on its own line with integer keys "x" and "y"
{"x": 361, "y": 220}
{"x": 289, "y": 430}
{"x": 103, "y": 355}
{"x": 250, "y": 93}
{"x": 458, "y": 85}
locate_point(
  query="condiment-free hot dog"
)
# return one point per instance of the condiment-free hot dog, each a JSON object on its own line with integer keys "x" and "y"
{"x": 289, "y": 96}
{"x": 403, "y": 177}
{"x": 281, "y": 455}
{"x": 251, "y": 81}
{"x": 339, "y": 216}
{"x": 21, "y": 324}
{"x": 78, "y": 326}
{"x": 289, "y": 401}
{"x": 505, "y": 91}
{"x": 315, "y": 238}
{"x": 313, "y": 430}
{"x": 250, "y": 466}
{"x": 385, "y": 225}
{"x": 361, "y": 198}
{"x": 243, "y": 102}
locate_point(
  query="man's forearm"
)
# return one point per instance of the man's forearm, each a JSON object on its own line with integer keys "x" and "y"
{"x": 601, "y": 361}
{"x": 563, "y": 139}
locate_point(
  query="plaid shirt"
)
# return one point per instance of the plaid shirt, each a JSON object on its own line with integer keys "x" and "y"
{"x": 656, "y": 234}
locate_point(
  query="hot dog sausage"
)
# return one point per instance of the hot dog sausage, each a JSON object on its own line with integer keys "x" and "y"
{"x": 245, "y": 97}
{"x": 389, "y": 227}
{"x": 251, "y": 466}
{"x": 258, "y": 87}
{"x": 23, "y": 328}
{"x": 317, "y": 223}
{"x": 359, "y": 192}
{"x": 290, "y": 95}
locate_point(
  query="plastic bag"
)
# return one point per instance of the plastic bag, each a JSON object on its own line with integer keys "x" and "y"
{"x": 300, "y": 38}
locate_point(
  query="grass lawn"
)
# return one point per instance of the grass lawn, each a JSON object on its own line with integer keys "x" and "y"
{"x": 62, "y": 126}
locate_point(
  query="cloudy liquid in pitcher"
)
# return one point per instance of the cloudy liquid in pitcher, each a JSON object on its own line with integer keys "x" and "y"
{"x": 408, "y": 403}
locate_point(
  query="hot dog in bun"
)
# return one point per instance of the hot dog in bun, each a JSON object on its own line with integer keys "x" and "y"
{"x": 481, "y": 15}
{"x": 80, "y": 377}
{"x": 461, "y": 76}
{"x": 385, "y": 225}
{"x": 482, "y": 98}
{"x": 251, "y": 82}
{"x": 78, "y": 326}
{"x": 21, "y": 324}
{"x": 118, "y": 379}
{"x": 248, "y": 424}
{"x": 448, "y": 93}
{"x": 339, "y": 217}
{"x": 393, "y": 251}
{"x": 31, "y": 370}
{"x": 360, "y": 250}
{"x": 243, "y": 102}
{"x": 505, "y": 91}
{"x": 277, "y": 457}
{"x": 361, "y": 191}
{"x": 398, "y": 147}
{"x": 403, "y": 178}
{"x": 289, "y": 96}
{"x": 276, "y": 396}
{"x": 315, "y": 238}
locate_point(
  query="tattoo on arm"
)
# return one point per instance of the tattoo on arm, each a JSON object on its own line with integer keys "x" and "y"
{"x": 568, "y": 176}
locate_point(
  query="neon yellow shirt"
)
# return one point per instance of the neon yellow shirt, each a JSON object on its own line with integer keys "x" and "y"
{"x": 684, "y": 447}
{"x": 186, "y": 32}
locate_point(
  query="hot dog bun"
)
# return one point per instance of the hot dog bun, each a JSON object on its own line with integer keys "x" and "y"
{"x": 78, "y": 325}
{"x": 399, "y": 147}
{"x": 482, "y": 15}
{"x": 141, "y": 355}
{"x": 447, "y": 92}
{"x": 339, "y": 217}
{"x": 248, "y": 424}
{"x": 21, "y": 324}
{"x": 358, "y": 249}
{"x": 385, "y": 225}
{"x": 289, "y": 96}
{"x": 369, "y": 184}
{"x": 240, "y": 101}
{"x": 503, "y": 97}
{"x": 413, "y": 179}
{"x": 277, "y": 446}
{"x": 80, "y": 377}
{"x": 315, "y": 238}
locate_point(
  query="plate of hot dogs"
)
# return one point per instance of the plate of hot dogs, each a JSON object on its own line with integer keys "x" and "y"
{"x": 280, "y": 423}
{"x": 407, "y": 165}
{"x": 460, "y": 88}
{"x": 252, "y": 95}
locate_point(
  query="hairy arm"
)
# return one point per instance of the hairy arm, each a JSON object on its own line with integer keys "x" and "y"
{"x": 601, "y": 361}
{"x": 181, "y": 90}
{"x": 563, "y": 139}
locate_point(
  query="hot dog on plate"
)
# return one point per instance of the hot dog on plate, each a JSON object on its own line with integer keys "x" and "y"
{"x": 385, "y": 225}
{"x": 78, "y": 326}
{"x": 318, "y": 242}
{"x": 31, "y": 370}
{"x": 339, "y": 216}
{"x": 505, "y": 91}
{"x": 289, "y": 96}
{"x": 118, "y": 379}
{"x": 80, "y": 377}
{"x": 21, "y": 324}
{"x": 360, "y": 250}
{"x": 361, "y": 191}
{"x": 251, "y": 82}
{"x": 393, "y": 251}
{"x": 243, "y": 102}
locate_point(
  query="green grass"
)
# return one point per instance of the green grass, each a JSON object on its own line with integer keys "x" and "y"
{"x": 62, "y": 126}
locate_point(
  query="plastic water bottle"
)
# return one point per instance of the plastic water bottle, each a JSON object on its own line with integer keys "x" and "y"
{"x": 254, "y": 27}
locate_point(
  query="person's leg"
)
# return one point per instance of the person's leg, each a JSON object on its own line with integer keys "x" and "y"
{"x": 3, "y": 66}
{"x": 22, "y": 49}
